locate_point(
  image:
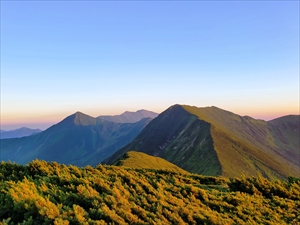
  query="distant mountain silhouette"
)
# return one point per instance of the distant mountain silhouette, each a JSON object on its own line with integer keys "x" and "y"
{"x": 79, "y": 139}
{"x": 212, "y": 141}
{"x": 130, "y": 117}
{"x": 17, "y": 133}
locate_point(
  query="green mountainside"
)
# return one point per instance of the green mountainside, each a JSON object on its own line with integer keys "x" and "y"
{"x": 141, "y": 160}
{"x": 212, "y": 141}
{"x": 172, "y": 136}
{"x": 79, "y": 140}
{"x": 51, "y": 193}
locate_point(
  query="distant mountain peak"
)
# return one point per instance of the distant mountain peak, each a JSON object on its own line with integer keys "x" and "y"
{"x": 79, "y": 113}
{"x": 80, "y": 118}
{"x": 130, "y": 117}
{"x": 142, "y": 110}
{"x": 78, "y": 139}
{"x": 138, "y": 111}
{"x": 83, "y": 119}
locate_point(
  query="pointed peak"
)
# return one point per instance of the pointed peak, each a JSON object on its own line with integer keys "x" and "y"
{"x": 83, "y": 119}
{"x": 80, "y": 118}
{"x": 78, "y": 113}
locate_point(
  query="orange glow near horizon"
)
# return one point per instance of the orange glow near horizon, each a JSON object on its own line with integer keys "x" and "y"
{"x": 268, "y": 113}
{"x": 43, "y": 121}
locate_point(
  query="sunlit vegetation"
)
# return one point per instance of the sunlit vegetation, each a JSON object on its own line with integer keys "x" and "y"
{"x": 140, "y": 160}
{"x": 253, "y": 146}
{"x": 52, "y": 193}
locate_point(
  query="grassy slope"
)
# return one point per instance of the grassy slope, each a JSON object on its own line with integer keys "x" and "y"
{"x": 134, "y": 159}
{"x": 213, "y": 141}
{"x": 244, "y": 145}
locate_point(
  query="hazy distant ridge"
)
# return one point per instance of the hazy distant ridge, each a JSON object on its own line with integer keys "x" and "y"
{"x": 21, "y": 132}
{"x": 130, "y": 117}
{"x": 79, "y": 139}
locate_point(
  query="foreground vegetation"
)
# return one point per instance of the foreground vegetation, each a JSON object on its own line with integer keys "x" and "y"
{"x": 52, "y": 193}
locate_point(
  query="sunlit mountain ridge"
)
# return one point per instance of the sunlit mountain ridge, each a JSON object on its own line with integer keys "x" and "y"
{"x": 213, "y": 141}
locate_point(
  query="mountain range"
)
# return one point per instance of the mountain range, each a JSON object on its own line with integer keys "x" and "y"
{"x": 79, "y": 139}
{"x": 212, "y": 141}
{"x": 209, "y": 141}
{"x": 17, "y": 133}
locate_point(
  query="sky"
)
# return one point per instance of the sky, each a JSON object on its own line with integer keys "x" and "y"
{"x": 107, "y": 57}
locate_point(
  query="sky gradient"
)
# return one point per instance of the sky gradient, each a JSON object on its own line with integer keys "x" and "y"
{"x": 103, "y": 58}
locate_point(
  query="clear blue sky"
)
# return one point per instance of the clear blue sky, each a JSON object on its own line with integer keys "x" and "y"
{"x": 99, "y": 57}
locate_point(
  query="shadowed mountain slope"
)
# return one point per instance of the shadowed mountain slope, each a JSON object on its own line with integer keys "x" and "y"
{"x": 286, "y": 131}
{"x": 130, "y": 117}
{"x": 79, "y": 139}
{"x": 213, "y": 141}
{"x": 179, "y": 137}
{"x": 21, "y": 132}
